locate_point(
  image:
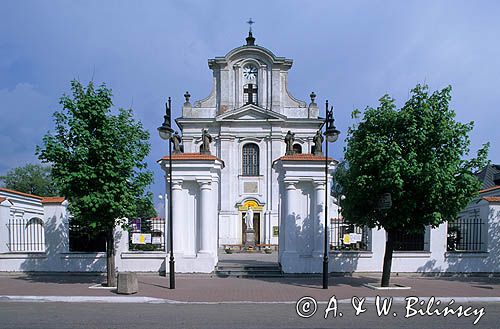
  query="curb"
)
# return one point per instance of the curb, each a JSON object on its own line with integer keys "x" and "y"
{"x": 152, "y": 300}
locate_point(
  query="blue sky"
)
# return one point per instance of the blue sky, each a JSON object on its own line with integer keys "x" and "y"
{"x": 349, "y": 52}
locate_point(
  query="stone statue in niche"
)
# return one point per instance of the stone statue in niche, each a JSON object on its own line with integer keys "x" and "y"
{"x": 289, "y": 139}
{"x": 177, "y": 140}
{"x": 318, "y": 143}
{"x": 206, "y": 139}
{"x": 249, "y": 219}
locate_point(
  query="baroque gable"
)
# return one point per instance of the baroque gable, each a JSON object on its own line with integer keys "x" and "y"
{"x": 250, "y": 112}
{"x": 249, "y": 74}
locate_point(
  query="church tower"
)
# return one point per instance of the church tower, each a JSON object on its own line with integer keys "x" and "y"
{"x": 248, "y": 113}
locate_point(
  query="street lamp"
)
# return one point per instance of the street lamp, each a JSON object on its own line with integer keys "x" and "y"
{"x": 331, "y": 134}
{"x": 165, "y": 131}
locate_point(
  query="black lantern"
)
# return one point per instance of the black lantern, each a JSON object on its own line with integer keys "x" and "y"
{"x": 331, "y": 134}
{"x": 165, "y": 131}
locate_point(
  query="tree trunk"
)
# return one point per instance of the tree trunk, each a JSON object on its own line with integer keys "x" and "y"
{"x": 110, "y": 260}
{"x": 389, "y": 248}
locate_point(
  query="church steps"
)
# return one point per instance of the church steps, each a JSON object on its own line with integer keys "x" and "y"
{"x": 242, "y": 270}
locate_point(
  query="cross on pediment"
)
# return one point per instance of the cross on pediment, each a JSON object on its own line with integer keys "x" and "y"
{"x": 250, "y": 91}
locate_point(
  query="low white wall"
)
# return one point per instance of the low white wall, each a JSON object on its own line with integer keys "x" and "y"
{"x": 436, "y": 260}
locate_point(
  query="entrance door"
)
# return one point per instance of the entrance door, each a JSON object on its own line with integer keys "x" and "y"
{"x": 256, "y": 227}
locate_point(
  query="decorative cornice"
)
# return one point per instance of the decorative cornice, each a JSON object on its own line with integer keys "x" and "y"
{"x": 304, "y": 157}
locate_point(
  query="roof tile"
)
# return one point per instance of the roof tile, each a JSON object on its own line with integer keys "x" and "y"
{"x": 492, "y": 198}
{"x": 53, "y": 199}
{"x": 191, "y": 156}
{"x": 490, "y": 189}
{"x": 20, "y": 193}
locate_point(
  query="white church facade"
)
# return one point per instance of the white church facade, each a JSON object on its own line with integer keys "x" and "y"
{"x": 235, "y": 158}
{"x": 248, "y": 114}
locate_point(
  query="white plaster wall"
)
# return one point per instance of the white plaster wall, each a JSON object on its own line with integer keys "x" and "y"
{"x": 436, "y": 260}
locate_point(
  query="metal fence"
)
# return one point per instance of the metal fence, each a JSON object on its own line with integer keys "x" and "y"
{"x": 345, "y": 236}
{"x": 26, "y": 235}
{"x": 406, "y": 241}
{"x": 82, "y": 239}
{"x": 147, "y": 234}
{"x": 465, "y": 234}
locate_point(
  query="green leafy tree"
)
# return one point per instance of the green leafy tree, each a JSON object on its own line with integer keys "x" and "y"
{"x": 31, "y": 178}
{"x": 417, "y": 154}
{"x": 98, "y": 162}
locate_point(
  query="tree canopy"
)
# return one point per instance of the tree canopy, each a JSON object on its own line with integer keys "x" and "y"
{"x": 98, "y": 161}
{"x": 31, "y": 178}
{"x": 418, "y": 154}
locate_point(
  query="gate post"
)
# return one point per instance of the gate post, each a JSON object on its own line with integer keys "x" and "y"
{"x": 301, "y": 180}
{"x": 195, "y": 207}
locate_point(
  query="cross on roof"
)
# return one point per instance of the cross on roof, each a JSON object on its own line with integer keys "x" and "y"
{"x": 250, "y": 22}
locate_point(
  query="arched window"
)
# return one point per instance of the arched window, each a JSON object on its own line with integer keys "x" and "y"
{"x": 297, "y": 148}
{"x": 33, "y": 238}
{"x": 250, "y": 160}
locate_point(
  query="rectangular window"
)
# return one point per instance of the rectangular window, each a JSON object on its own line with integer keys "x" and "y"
{"x": 250, "y": 160}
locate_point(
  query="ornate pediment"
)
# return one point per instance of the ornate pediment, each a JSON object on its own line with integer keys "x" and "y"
{"x": 250, "y": 112}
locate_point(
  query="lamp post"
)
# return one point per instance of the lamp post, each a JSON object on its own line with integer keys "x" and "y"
{"x": 165, "y": 131}
{"x": 331, "y": 134}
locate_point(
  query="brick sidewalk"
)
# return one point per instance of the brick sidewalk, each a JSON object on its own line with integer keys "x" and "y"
{"x": 202, "y": 288}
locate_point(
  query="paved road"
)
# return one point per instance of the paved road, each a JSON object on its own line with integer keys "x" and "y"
{"x": 86, "y": 315}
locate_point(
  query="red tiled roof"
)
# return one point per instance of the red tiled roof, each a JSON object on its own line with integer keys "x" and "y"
{"x": 53, "y": 199}
{"x": 20, "y": 193}
{"x": 492, "y": 198}
{"x": 192, "y": 156}
{"x": 490, "y": 189}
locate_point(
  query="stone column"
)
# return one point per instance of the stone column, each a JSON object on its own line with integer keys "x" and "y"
{"x": 289, "y": 218}
{"x": 206, "y": 215}
{"x": 319, "y": 223}
{"x": 178, "y": 221}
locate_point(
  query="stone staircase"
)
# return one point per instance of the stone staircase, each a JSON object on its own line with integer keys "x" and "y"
{"x": 248, "y": 270}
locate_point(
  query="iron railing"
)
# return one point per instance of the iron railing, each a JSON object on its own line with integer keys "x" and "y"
{"x": 26, "y": 235}
{"x": 147, "y": 234}
{"x": 410, "y": 241}
{"x": 465, "y": 234}
{"x": 345, "y": 236}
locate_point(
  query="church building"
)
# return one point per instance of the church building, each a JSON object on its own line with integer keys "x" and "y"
{"x": 248, "y": 114}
